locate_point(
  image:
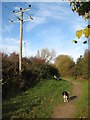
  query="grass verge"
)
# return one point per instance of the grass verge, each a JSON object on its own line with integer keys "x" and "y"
{"x": 37, "y": 102}
{"x": 82, "y": 104}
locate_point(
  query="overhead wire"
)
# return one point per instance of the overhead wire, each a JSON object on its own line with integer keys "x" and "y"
{"x": 7, "y": 18}
{"x": 9, "y": 9}
{"x": 29, "y": 4}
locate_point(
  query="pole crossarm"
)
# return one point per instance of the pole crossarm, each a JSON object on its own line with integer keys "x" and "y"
{"x": 22, "y": 10}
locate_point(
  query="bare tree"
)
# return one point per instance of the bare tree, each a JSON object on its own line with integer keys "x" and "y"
{"x": 45, "y": 53}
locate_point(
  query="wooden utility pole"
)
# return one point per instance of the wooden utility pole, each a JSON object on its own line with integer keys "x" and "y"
{"x": 20, "y": 19}
{"x": 21, "y": 35}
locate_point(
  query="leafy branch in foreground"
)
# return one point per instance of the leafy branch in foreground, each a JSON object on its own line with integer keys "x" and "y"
{"x": 83, "y": 9}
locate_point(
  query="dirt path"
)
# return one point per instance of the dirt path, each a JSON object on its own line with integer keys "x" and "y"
{"x": 67, "y": 110}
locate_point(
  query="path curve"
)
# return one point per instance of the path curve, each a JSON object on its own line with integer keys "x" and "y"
{"x": 67, "y": 110}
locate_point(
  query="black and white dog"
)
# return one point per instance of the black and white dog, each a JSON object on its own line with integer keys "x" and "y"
{"x": 65, "y": 95}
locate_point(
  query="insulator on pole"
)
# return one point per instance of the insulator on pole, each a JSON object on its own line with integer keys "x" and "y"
{"x": 29, "y": 5}
{"x": 10, "y": 20}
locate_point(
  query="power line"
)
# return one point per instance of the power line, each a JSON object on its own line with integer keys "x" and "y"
{"x": 27, "y": 3}
{"x": 9, "y": 9}
{"x": 7, "y": 18}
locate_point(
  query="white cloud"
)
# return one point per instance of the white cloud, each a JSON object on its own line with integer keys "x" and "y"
{"x": 17, "y": 8}
{"x": 10, "y": 41}
{"x": 48, "y": 11}
{"x": 78, "y": 24}
{"x": 10, "y": 45}
{"x": 34, "y": 23}
{"x": 57, "y": 11}
{"x": 7, "y": 28}
{"x": 30, "y": 50}
{"x": 8, "y": 48}
{"x": 74, "y": 51}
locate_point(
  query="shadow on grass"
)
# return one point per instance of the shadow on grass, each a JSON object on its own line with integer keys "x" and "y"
{"x": 72, "y": 97}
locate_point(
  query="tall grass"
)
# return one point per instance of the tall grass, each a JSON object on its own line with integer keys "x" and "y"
{"x": 37, "y": 102}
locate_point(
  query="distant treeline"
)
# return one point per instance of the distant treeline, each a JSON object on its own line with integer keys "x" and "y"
{"x": 79, "y": 69}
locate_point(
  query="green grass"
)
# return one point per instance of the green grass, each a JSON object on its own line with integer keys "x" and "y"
{"x": 37, "y": 102}
{"x": 69, "y": 78}
{"x": 82, "y": 104}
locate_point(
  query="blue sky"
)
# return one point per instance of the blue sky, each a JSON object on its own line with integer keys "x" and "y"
{"x": 53, "y": 27}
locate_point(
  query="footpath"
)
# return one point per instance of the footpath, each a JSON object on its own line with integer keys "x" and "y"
{"x": 67, "y": 110}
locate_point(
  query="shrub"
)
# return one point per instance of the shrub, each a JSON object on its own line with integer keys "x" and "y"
{"x": 38, "y": 70}
{"x": 10, "y": 74}
{"x": 34, "y": 70}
